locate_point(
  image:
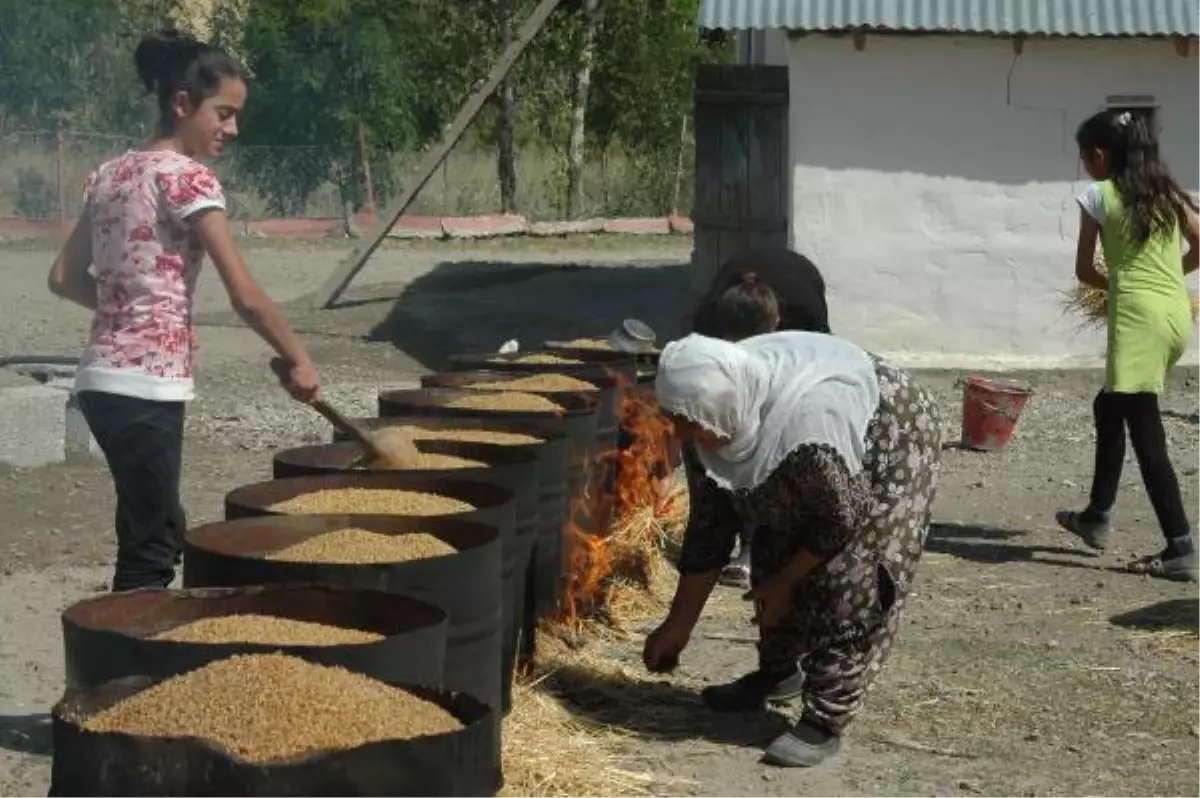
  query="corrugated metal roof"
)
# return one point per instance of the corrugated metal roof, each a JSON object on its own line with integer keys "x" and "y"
{"x": 994, "y": 17}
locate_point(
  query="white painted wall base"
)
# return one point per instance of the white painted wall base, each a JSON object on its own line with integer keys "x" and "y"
{"x": 933, "y": 183}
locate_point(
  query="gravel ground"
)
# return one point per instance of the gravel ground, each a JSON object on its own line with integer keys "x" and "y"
{"x": 1027, "y": 666}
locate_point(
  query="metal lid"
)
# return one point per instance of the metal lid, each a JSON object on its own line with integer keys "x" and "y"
{"x": 638, "y": 330}
{"x": 632, "y": 336}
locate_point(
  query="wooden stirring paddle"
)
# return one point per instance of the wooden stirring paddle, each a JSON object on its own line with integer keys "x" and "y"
{"x": 390, "y": 448}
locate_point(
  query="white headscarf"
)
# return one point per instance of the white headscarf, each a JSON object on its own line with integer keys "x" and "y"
{"x": 767, "y": 396}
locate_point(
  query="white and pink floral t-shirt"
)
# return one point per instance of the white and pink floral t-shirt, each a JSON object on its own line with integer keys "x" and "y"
{"x": 146, "y": 260}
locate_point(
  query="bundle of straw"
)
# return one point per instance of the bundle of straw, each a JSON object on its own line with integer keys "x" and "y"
{"x": 1090, "y": 304}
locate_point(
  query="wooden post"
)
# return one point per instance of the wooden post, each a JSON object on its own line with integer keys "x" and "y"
{"x": 349, "y": 268}
{"x": 683, "y": 128}
{"x": 368, "y": 184}
{"x": 60, "y": 153}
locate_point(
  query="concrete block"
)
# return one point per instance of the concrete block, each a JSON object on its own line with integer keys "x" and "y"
{"x": 639, "y": 227}
{"x": 484, "y": 226}
{"x": 40, "y": 424}
{"x": 417, "y": 227}
{"x": 582, "y": 227}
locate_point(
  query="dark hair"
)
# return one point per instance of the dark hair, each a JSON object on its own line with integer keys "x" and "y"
{"x": 795, "y": 280}
{"x": 746, "y": 309}
{"x": 169, "y": 62}
{"x": 1154, "y": 201}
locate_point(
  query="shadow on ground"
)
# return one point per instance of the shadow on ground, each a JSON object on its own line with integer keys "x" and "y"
{"x": 1174, "y": 614}
{"x": 659, "y": 710}
{"x": 474, "y": 306}
{"x": 26, "y": 734}
{"x": 992, "y": 545}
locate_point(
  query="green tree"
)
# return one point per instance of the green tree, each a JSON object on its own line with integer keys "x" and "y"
{"x": 71, "y": 61}
{"x": 329, "y": 75}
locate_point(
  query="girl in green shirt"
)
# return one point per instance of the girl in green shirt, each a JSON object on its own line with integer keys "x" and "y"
{"x": 1139, "y": 214}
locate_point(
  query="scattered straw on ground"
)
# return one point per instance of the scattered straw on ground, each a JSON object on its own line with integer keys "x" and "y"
{"x": 552, "y": 748}
{"x": 353, "y": 546}
{"x": 537, "y": 383}
{"x": 1090, "y": 305}
{"x": 558, "y": 740}
{"x": 372, "y": 501}
{"x": 267, "y": 630}
{"x": 506, "y": 400}
{"x": 548, "y": 751}
{"x": 270, "y": 707}
{"x": 1172, "y": 642}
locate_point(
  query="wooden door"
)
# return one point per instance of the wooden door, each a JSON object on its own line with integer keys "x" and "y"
{"x": 741, "y": 114}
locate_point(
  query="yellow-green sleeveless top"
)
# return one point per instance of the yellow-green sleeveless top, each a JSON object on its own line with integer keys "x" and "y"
{"x": 1149, "y": 313}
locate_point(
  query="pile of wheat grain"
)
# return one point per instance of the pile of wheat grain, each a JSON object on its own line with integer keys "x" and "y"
{"x": 266, "y": 708}
{"x": 269, "y": 630}
{"x": 541, "y": 359}
{"x": 588, "y": 343}
{"x": 426, "y": 461}
{"x": 353, "y": 546}
{"x": 536, "y": 383}
{"x": 512, "y": 401}
{"x": 371, "y": 501}
{"x": 418, "y": 433}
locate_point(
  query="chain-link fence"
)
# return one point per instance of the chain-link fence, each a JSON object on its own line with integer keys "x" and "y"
{"x": 42, "y": 173}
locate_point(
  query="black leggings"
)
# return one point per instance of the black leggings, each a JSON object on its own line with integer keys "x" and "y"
{"x": 143, "y": 443}
{"x": 1139, "y": 411}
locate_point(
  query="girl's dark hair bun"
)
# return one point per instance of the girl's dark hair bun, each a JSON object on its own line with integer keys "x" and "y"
{"x": 162, "y": 53}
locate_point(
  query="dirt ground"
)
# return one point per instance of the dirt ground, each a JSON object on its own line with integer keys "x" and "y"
{"x": 1026, "y": 665}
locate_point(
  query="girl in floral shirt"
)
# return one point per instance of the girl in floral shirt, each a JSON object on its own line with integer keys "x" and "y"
{"x": 150, "y": 217}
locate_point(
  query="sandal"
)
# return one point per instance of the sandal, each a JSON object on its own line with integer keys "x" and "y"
{"x": 1176, "y": 569}
{"x": 735, "y": 575}
{"x": 1094, "y": 534}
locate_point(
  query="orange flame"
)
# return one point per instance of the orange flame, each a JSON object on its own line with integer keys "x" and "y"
{"x": 640, "y": 467}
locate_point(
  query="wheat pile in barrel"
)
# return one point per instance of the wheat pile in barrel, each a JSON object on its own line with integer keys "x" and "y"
{"x": 1090, "y": 305}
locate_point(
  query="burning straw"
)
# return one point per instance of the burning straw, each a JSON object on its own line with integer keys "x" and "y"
{"x": 619, "y": 572}
{"x": 620, "y": 578}
{"x": 1090, "y": 305}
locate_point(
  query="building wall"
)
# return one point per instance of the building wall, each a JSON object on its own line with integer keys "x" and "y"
{"x": 933, "y": 180}
{"x": 767, "y": 47}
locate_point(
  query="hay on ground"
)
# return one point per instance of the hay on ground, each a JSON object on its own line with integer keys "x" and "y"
{"x": 551, "y": 750}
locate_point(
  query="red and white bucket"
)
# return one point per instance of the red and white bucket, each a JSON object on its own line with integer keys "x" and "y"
{"x": 991, "y": 411}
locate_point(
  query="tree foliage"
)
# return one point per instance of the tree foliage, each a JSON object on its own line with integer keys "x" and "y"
{"x": 328, "y": 75}
{"x": 70, "y": 62}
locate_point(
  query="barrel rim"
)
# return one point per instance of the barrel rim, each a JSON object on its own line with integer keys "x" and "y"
{"x": 404, "y": 607}
{"x": 588, "y": 356}
{"x": 601, "y": 378}
{"x": 493, "y": 455}
{"x": 482, "y": 495}
{"x": 533, "y": 428}
{"x": 208, "y": 537}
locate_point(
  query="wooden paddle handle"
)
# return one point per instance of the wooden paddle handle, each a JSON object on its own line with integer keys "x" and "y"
{"x": 283, "y": 370}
